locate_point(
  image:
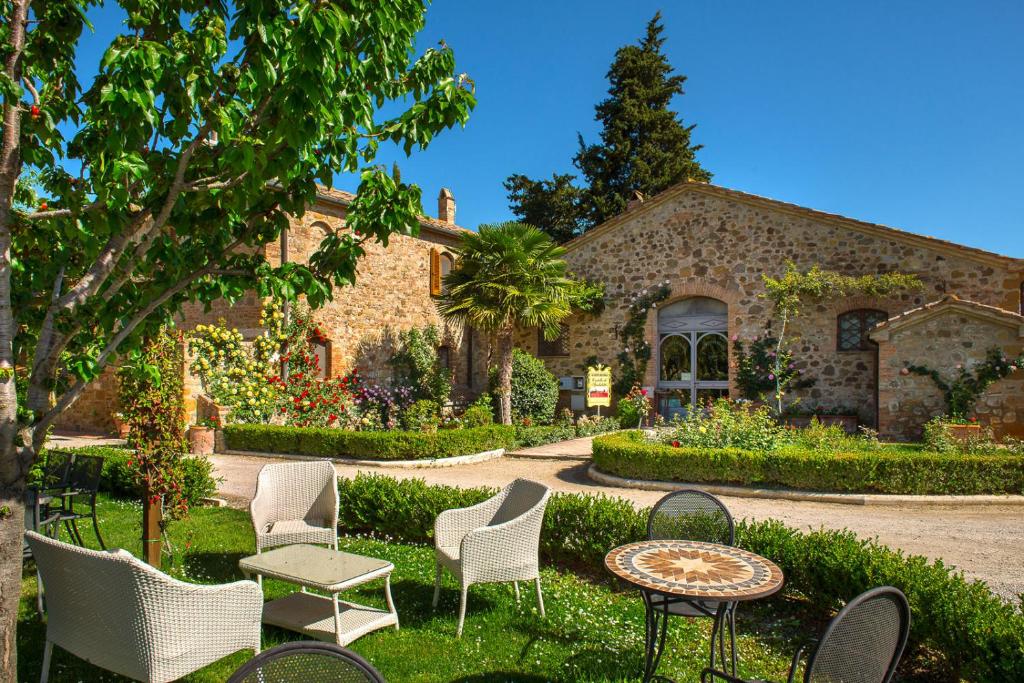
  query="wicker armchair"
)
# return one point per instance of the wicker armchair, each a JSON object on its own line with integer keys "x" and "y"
{"x": 863, "y": 643}
{"x": 118, "y": 613}
{"x": 495, "y": 541}
{"x": 307, "y": 661}
{"x": 295, "y": 502}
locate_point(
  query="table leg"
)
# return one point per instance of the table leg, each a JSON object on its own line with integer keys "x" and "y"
{"x": 724, "y": 627}
{"x": 387, "y": 596}
{"x": 655, "y": 632}
{"x": 337, "y": 619}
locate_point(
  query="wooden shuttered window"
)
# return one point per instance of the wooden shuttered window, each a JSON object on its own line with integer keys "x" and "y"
{"x": 435, "y": 272}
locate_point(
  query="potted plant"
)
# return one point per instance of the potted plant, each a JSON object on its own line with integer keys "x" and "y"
{"x": 964, "y": 430}
{"x": 840, "y": 416}
{"x": 121, "y": 426}
{"x": 201, "y": 436}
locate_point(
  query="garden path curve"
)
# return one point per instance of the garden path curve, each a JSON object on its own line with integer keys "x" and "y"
{"x": 986, "y": 543}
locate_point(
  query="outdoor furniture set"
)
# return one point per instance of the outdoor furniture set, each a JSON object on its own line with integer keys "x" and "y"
{"x": 689, "y": 567}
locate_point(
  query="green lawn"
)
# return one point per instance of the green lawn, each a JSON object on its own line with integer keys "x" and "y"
{"x": 591, "y": 633}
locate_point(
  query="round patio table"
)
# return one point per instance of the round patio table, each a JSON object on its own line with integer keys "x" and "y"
{"x": 697, "y": 573}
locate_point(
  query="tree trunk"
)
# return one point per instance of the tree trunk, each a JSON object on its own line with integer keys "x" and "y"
{"x": 151, "y": 539}
{"x": 505, "y": 376}
{"x": 12, "y": 525}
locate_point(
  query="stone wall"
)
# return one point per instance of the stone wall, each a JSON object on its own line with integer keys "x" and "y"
{"x": 705, "y": 241}
{"x": 943, "y": 340}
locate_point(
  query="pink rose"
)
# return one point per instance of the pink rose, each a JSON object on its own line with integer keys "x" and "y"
{"x": 735, "y": 337}
{"x": 643, "y": 392}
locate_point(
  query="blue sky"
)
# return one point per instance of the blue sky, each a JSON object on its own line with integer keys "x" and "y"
{"x": 903, "y": 113}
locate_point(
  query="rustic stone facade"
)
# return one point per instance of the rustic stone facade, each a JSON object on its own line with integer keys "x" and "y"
{"x": 712, "y": 242}
{"x": 391, "y": 294}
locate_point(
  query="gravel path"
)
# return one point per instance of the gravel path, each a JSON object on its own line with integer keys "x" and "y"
{"x": 985, "y": 542}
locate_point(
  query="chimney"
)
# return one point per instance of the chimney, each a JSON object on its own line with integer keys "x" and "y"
{"x": 446, "y": 206}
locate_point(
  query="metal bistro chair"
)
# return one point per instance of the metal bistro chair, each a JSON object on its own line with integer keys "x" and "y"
{"x": 83, "y": 485}
{"x": 307, "y": 661}
{"x": 692, "y": 515}
{"x": 862, "y": 644}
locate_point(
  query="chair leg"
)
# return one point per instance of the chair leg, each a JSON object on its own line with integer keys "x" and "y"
{"x": 516, "y": 585}
{"x": 96, "y": 528}
{"x": 462, "y": 611}
{"x": 540, "y": 598}
{"x": 39, "y": 594}
{"x": 437, "y": 584}
{"x": 47, "y": 653}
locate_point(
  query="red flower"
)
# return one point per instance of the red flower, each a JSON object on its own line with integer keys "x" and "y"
{"x": 972, "y": 419}
{"x": 332, "y": 417}
{"x": 675, "y": 444}
{"x": 643, "y": 392}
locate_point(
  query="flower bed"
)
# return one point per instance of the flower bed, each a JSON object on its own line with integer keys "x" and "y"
{"x": 882, "y": 469}
{"x": 977, "y": 635}
{"x": 386, "y": 445}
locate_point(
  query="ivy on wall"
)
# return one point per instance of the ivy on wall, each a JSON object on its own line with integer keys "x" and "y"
{"x": 636, "y": 350}
{"x": 961, "y": 393}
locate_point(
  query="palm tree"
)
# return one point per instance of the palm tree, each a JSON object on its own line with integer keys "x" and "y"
{"x": 509, "y": 275}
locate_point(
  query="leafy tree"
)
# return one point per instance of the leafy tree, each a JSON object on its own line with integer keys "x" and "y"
{"x": 644, "y": 148}
{"x": 512, "y": 275}
{"x": 206, "y": 128}
{"x": 555, "y": 206}
{"x": 794, "y": 288}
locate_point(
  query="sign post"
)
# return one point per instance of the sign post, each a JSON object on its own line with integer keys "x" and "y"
{"x": 599, "y": 387}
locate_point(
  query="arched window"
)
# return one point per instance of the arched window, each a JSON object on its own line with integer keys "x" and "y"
{"x": 693, "y": 354}
{"x": 853, "y": 327}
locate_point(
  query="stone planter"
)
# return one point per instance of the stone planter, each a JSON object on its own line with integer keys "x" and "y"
{"x": 849, "y": 423}
{"x": 201, "y": 440}
{"x": 971, "y": 432}
{"x": 121, "y": 428}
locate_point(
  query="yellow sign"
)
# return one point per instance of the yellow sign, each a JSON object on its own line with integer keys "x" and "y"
{"x": 599, "y": 386}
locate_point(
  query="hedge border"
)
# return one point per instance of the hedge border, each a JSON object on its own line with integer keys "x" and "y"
{"x": 629, "y": 456}
{"x": 979, "y": 635}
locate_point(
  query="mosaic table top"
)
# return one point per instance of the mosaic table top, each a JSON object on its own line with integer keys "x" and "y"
{"x": 695, "y": 570}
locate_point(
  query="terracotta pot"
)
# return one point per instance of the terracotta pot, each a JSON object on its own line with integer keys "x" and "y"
{"x": 121, "y": 427}
{"x": 201, "y": 440}
{"x": 964, "y": 432}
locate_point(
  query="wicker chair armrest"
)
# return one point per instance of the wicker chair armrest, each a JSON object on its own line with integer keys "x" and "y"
{"x": 451, "y": 526}
{"x": 260, "y": 511}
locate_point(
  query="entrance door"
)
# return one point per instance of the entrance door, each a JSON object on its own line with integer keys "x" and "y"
{"x": 693, "y": 354}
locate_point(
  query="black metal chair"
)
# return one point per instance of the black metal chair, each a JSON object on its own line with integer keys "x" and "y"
{"x": 83, "y": 483}
{"x": 307, "y": 661}
{"x": 693, "y": 515}
{"x": 862, "y": 644}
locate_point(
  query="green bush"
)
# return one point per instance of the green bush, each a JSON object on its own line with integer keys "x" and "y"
{"x": 591, "y": 425}
{"x": 389, "y": 445}
{"x": 422, "y": 416}
{"x": 477, "y": 416}
{"x": 534, "y": 389}
{"x": 528, "y": 437}
{"x": 727, "y": 425}
{"x": 980, "y": 636}
{"x": 197, "y": 480}
{"x": 884, "y": 469}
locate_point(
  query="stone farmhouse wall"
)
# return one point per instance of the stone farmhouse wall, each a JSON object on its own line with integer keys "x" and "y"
{"x": 708, "y": 241}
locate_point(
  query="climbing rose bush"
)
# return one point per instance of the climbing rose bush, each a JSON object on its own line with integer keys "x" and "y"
{"x": 726, "y": 424}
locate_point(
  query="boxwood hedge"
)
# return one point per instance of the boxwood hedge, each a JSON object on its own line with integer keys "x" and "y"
{"x": 880, "y": 470}
{"x": 389, "y": 445}
{"x": 979, "y": 636}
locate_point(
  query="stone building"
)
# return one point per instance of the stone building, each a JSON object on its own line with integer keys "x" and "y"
{"x": 710, "y": 245}
{"x": 396, "y": 289}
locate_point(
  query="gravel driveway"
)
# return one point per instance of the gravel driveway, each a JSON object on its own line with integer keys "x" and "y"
{"x": 984, "y": 542}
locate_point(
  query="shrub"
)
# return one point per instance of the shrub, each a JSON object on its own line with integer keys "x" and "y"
{"x": 477, "y": 416}
{"x": 980, "y": 635}
{"x": 195, "y": 474}
{"x": 422, "y": 416}
{"x": 389, "y": 445}
{"x": 634, "y": 407}
{"x": 886, "y": 469}
{"x": 589, "y": 425}
{"x": 727, "y": 425}
{"x": 534, "y": 389}
{"x": 528, "y": 437}
{"x": 417, "y": 364}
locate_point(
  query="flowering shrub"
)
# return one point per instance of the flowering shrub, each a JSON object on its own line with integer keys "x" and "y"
{"x": 726, "y": 425}
{"x": 381, "y": 407}
{"x": 962, "y": 392}
{"x": 634, "y": 407}
{"x": 764, "y": 369}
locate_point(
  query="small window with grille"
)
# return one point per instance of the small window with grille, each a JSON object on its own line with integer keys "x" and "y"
{"x": 853, "y": 328}
{"x": 554, "y": 347}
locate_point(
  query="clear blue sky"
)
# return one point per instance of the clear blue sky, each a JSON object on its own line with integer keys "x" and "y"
{"x": 905, "y": 113}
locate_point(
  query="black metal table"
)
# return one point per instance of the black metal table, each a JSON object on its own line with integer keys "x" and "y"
{"x": 669, "y": 572}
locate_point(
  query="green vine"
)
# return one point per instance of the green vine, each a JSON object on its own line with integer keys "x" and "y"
{"x": 961, "y": 393}
{"x": 636, "y": 351}
{"x": 765, "y": 369}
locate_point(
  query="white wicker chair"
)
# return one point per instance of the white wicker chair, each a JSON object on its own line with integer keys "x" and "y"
{"x": 495, "y": 541}
{"x": 296, "y": 502}
{"x": 115, "y": 611}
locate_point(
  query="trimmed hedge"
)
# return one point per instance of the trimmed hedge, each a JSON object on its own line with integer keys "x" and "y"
{"x": 389, "y": 445}
{"x": 117, "y": 480}
{"x": 980, "y": 636}
{"x": 882, "y": 470}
